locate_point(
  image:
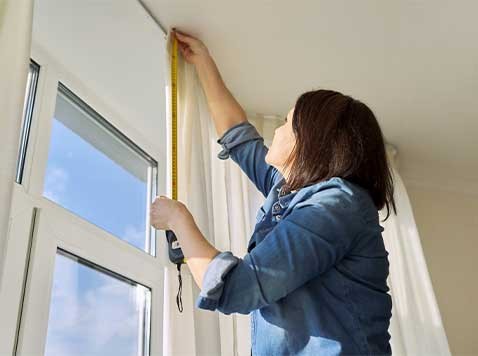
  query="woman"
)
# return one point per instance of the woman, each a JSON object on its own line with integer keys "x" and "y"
{"x": 314, "y": 277}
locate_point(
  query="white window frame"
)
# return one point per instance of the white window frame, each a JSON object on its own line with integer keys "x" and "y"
{"x": 28, "y": 106}
{"x": 38, "y": 227}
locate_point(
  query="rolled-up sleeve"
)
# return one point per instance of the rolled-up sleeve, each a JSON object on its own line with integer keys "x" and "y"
{"x": 291, "y": 254}
{"x": 245, "y": 146}
{"x": 213, "y": 279}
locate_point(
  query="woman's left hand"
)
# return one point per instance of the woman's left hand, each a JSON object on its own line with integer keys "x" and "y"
{"x": 165, "y": 212}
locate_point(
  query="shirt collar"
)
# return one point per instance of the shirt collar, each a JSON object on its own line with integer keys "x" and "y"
{"x": 283, "y": 197}
{"x": 304, "y": 192}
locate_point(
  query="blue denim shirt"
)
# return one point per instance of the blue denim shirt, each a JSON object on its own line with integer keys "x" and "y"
{"x": 314, "y": 279}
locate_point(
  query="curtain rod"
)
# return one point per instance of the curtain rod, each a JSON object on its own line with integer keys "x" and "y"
{"x": 165, "y": 33}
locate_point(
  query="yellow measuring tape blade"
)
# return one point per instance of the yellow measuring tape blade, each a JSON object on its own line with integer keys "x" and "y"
{"x": 174, "y": 120}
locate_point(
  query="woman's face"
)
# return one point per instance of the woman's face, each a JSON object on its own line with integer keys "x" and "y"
{"x": 282, "y": 144}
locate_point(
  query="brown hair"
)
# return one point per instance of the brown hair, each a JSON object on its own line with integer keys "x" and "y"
{"x": 338, "y": 136}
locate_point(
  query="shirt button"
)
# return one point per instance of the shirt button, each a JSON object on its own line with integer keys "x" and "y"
{"x": 278, "y": 217}
{"x": 276, "y": 207}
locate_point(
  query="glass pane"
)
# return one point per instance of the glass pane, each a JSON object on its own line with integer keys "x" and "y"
{"x": 28, "y": 104}
{"x": 96, "y": 173}
{"x": 95, "y": 312}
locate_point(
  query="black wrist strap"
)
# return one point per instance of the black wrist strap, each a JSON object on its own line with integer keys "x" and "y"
{"x": 179, "y": 301}
{"x": 176, "y": 256}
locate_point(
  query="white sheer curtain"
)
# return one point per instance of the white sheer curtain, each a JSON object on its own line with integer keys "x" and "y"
{"x": 178, "y": 327}
{"x": 416, "y": 326}
{"x": 222, "y": 201}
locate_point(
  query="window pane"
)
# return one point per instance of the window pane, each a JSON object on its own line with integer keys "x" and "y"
{"x": 28, "y": 104}
{"x": 94, "y": 312}
{"x": 94, "y": 172}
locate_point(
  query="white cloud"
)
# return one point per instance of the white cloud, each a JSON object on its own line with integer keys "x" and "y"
{"x": 134, "y": 235}
{"x": 56, "y": 181}
{"x": 92, "y": 313}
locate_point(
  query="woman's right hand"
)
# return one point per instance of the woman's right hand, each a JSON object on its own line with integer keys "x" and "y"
{"x": 225, "y": 110}
{"x": 192, "y": 49}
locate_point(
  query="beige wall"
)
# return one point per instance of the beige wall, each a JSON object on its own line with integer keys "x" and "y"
{"x": 448, "y": 225}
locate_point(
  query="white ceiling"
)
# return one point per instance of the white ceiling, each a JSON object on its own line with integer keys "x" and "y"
{"x": 415, "y": 63}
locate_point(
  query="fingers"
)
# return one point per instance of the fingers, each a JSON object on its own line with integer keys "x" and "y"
{"x": 184, "y": 38}
{"x": 182, "y": 46}
{"x": 185, "y": 51}
{"x": 157, "y": 199}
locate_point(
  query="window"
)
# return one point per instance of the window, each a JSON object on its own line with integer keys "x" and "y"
{"x": 99, "y": 174}
{"x": 96, "y": 312}
{"x": 85, "y": 293}
{"x": 84, "y": 271}
{"x": 28, "y": 105}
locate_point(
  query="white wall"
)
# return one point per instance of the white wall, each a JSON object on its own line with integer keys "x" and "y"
{"x": 15, "y": 25}
{"x": 447, "y": 221}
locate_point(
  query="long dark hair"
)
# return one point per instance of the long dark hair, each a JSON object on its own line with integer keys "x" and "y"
{"x": 338, "y": 136}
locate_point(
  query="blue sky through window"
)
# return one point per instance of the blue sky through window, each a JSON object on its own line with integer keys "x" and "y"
{"x": 85, "y": 181}
{"x": 93, "y": 313}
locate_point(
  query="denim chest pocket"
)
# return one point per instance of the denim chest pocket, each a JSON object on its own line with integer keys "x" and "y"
{"x": 260, "y": 215}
